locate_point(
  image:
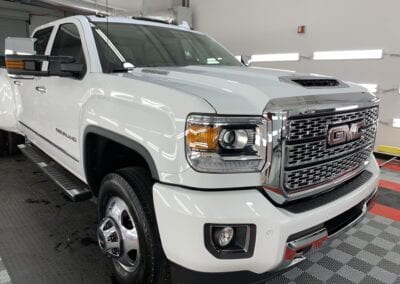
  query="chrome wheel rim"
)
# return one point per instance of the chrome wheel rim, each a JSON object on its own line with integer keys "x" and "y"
{"x": 117, "y": 235}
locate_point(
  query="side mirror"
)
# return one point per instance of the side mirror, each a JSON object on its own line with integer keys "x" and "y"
{"x": 19, "y": 46}
{"x": 246, "y": 59}
{"x": 21, "y": 61}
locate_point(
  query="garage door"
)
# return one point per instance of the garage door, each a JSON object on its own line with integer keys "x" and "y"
{"x": 8, "y": 27}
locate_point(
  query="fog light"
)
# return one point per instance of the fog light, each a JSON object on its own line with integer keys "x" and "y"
{"x": 224, "y": 236}
{"x": 230, "y": 241}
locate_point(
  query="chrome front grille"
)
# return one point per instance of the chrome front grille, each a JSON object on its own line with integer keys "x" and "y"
{"x": 326, "y": 172}
{"x": 309, "y": 161}
{"x": 316, "y": 151}
{"x": 317, "y": 127}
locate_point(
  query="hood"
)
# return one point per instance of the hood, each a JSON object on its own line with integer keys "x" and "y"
{"x": 247, "y": 90}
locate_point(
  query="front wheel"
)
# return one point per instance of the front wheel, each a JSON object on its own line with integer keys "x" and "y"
{"x": 128, "y": 232}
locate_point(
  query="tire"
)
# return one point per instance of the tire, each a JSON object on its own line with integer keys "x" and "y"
{"x": 9, "y": 143}
{"x": 134, "y": 187}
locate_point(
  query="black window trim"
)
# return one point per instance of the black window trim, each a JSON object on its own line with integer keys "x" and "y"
{"x": 56, "y": 30}
{"x": 42, "y": 29}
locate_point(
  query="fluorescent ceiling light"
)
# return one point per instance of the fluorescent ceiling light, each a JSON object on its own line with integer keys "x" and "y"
{"x": 275, "y": 57}
{"x": 373, "y": 88}
{"x": 396, "y": 122}
{"x": 348, "y": 54}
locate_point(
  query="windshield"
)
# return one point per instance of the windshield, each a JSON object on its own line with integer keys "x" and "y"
{"x": 153, "y": 46}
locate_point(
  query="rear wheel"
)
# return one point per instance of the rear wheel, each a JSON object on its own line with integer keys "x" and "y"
{"x": 9, "y": 143}
{"x": 128, "y": 232}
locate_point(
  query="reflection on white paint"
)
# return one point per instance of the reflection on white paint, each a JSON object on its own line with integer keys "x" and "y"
{"x": 151, "y": 103}
{"x": 154, "y": 147}
{"x": 90, "y": 121}
{"x": 123, "y": 96}
{"x": 250, "y": 205}
{"x": 163, "y": 199}
{"x": 373, "y": 88}
{"x": 133, "y": 134}
{"x": 227, "y": 90}
{"x": 348, "y": 54}
{"x": 199, "y": 210}
{"x": 106, "y": 119}
{"x": 181, "y": 205}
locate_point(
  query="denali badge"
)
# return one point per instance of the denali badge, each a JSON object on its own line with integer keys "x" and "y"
{"x": 345, "y": 133}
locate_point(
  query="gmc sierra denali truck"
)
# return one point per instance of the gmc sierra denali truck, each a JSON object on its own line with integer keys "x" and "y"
{"x": 204, "y": 169}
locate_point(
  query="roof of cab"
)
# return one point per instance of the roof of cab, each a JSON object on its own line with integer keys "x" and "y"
{"x": 104, "y": 19}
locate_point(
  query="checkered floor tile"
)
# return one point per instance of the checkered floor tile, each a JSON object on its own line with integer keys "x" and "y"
{"x": 367, "y": 253}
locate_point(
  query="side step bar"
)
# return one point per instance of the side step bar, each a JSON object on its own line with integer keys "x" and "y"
{"x": 75, "y": 189}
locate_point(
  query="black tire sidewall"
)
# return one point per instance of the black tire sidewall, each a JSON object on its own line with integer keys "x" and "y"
{"x": 115, "y": 185}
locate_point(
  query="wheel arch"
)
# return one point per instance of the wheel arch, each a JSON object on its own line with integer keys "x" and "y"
{"x": 91, "y": 155}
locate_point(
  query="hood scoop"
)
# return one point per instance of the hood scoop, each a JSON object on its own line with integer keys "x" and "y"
{"x": 315, "y": 82}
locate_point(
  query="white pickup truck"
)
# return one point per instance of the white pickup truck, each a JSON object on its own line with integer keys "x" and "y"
{"x": 205, "y": 170}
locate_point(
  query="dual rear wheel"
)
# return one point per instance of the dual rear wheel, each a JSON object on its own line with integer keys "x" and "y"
{"x": 9, "y": 143}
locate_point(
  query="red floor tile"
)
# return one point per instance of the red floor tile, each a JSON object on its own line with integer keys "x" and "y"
{"x": 390, "y": 185}
{"x": 386, "y": 211}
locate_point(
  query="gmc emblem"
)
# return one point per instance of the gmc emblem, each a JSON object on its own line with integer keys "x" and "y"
{"x": 345, "y": 133}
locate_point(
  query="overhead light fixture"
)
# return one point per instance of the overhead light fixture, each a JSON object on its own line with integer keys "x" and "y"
{"x": 373, "y": 88}
{"x": 275, "y": 57}
{"x": 396, "y": 122}
{"x": 348, "y": 54}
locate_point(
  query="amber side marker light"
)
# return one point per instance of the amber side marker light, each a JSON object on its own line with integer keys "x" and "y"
{"x": 202, "y": 137}
{"x": 15, "y": 64}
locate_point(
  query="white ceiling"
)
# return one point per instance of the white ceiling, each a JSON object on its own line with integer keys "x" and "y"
{"x": 135, "y": 5}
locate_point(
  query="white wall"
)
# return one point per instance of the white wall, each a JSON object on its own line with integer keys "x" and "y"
{"x": 20, "y": 19}
{"x": 270, "y": 26}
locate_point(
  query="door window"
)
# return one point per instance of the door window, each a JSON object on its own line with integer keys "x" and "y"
{"x": 68, "y": 43}
{"x": 42, "y": 39}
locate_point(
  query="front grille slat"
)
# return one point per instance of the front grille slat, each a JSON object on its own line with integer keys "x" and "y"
{"x": 309, "y": 161}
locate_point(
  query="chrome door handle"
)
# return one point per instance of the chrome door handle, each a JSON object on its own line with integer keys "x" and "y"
{"x": 41, "y": 89}
{"x": 18, "y": 83}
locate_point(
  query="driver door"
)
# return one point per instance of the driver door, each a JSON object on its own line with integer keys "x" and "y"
{"x": 60, "y": 100}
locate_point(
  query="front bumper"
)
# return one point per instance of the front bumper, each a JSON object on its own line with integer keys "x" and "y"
{"x": 181, "y": 215}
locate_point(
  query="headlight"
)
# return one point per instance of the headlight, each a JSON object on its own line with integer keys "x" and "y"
{"x": 226, "y": 144}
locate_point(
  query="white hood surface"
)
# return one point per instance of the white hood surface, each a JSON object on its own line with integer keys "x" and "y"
{"x": 244, "y": 90}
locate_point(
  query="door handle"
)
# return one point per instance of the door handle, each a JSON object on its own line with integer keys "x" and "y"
{"x": 41, "y": 89}
{"x": 18, "y": 83}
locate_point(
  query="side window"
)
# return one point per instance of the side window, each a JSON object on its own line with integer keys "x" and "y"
{"x": 68, "y": 43}
{"x": 42, "y": 38}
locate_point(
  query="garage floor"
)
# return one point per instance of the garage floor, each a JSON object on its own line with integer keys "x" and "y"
{"x": 45, "y": 238}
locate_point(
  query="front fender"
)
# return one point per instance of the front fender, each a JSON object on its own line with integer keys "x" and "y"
{"x": 147, "y": 114}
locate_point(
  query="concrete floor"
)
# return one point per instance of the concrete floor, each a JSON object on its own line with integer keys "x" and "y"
{"x": 44, "y": 238}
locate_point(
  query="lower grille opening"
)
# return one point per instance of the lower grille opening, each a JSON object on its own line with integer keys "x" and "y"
{"x": 339, "y": 222}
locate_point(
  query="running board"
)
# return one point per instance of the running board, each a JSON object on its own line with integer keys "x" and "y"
{"x": 75, "y": 189}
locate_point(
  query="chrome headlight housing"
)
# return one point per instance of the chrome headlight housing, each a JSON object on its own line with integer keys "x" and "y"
{"x": 226, "y": 144}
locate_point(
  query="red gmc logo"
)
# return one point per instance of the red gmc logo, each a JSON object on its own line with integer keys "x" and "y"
{"x": 345, "y": 133}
